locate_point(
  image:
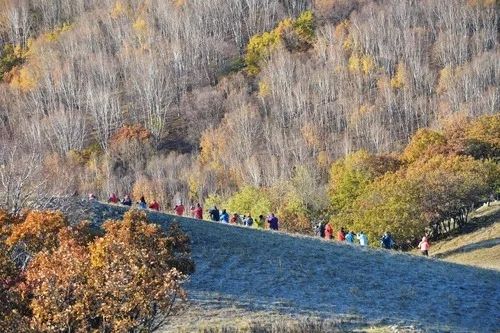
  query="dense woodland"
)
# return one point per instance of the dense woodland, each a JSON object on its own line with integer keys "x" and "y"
{"x": 254, "y": 105}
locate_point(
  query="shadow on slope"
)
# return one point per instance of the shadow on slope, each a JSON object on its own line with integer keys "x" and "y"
{"x": 485, "y": 244}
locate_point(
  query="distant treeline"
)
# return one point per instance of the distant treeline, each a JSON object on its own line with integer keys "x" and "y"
{"x": 201, "y": 101}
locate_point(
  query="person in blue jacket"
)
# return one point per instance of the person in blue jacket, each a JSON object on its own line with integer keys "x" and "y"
{"x": 273, "y": 222}
{"x": 224, "y": 217}
{"x": 214, "y": 214}
{"x": 349, "y": 238}
{"x": 386, "y": 241}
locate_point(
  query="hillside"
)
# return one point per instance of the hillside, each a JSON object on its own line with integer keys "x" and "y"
{"x": 480, "y": 246}
{"x": 244, "y": 274}
{"x": 183, "y": 100}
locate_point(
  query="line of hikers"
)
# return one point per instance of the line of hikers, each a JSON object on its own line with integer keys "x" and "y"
{"x": 386, "y": 241}
{"x": 326, "y": 231}
{"x": 323, "y": 230}
{"x": 246, "y": 220}
{"x": 127, "y": 201}
{"x": 197, "y": 212}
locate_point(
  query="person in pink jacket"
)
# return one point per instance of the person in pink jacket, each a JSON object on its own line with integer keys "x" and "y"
{"x": 328, "y": 231}
{"x": 424, "y": 246}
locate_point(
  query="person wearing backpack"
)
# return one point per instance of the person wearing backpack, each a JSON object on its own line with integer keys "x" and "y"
{"x": 248, "y": 220}
{"x": 349, "y": 238}
{"x": 424, "y": 246}
{"x": 214, "y": 214}
{"x": 224, "y": 217}
{"x": 386, "y": 241}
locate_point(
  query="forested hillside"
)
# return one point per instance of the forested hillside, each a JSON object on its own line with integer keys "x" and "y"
{"x": 195, "y": 99}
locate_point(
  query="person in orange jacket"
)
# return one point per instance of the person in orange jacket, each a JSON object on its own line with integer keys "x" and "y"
{"x": 341, "y": 235}
{"x": 328, "y": 231}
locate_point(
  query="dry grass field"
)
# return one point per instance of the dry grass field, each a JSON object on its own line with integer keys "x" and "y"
{"x": 480, "y": 247}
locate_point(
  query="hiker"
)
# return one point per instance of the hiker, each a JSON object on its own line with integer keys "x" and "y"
{"x": 328, "y": 231}
{"x": 179, "y": 209}
{"x": 214, "y": 214}
{"x": 349, "y": 238}
{"x": 321, "y": 229}
{"x": 248, "y": 221}
{"x": 341, "y": 235}
{"x": 386, "y": 241}
{"x": 316, "y": 229}
{"x": 261, "y": 222}
{"x": 424, "y": 246}
{"x": 224, "y": 217}
{"x": 273, "y": 222}
{"x": 198, "y": 212}
{"x": 154, "y": 205}
{"x": 363, "y": 239}
{"x": 113, "y": 198}
{"x": 235, "y": 219}
{"x": 126, "y": 201}
{"x": 92, "y": 197}
{"x": 191, "y": 209}
{"x": 142, "y": 203}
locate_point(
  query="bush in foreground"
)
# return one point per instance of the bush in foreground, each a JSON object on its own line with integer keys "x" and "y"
{"x": 128, "y": 280}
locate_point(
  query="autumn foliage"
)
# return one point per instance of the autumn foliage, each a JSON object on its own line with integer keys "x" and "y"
{"x": 38, "y": 231}
{"x": 438, "y": 180}
{"x": 127, "y": 279}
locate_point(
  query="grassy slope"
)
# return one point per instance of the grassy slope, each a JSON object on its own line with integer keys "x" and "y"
{"x": 245, "y": 273}
{"x": 480, "y": 247}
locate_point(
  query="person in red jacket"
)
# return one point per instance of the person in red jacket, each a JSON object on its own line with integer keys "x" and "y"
{"x": 235, "y": 219}
{"x": 179, "y": 209}
{"x": 341, "y": 235}
{"x": 154, "y": 205}
{"x": 328, "y": 231}
{"x": 198, "y": 212}
{"x": 113, "y": 198}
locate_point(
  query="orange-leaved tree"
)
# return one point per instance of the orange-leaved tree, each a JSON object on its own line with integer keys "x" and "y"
{"x": 12, "y": 306}
{"x": 136, "y": 273}
{"x": 38, "y": 231}
{"x": 57, "y": 282}
{"x": 79, "y": 280}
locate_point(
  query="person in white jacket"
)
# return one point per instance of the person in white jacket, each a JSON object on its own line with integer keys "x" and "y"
{"x": 363, "y": 239}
